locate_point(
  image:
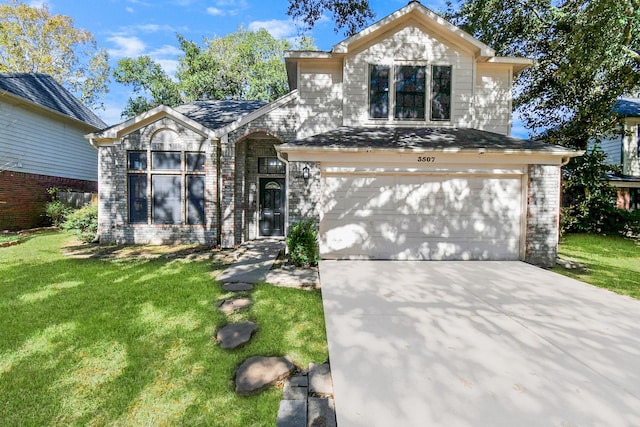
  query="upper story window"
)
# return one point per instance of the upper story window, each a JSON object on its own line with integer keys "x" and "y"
{"x": 407, "y": 95}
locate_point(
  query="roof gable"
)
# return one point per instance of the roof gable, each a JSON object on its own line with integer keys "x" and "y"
{"x": 43, "y": 91}
{"x": 416, "y": 11}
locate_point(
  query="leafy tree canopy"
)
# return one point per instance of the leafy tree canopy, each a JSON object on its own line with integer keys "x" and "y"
{"x": 587, "y": 55}
{"x": 350, "y": 16}
{"x": 242, "y": 65}
{"x": 34, "y": 41}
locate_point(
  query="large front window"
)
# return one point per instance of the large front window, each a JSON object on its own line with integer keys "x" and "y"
{"x": 403, "y": 89}
{"x": 168, "y": 190}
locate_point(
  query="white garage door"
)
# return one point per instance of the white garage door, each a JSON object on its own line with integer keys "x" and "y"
{"x": 414, "y": 217}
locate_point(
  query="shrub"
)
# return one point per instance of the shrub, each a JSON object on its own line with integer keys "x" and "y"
{"x": 57, "y": 212}
{"x": 302, "y": 243}
{"x": 83, "y": 223}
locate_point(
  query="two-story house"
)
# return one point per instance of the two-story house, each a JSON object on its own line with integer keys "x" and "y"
{"x": 396, "y": 142}
{"x": 623, "y": 150}
{"x": 42, "y": 146}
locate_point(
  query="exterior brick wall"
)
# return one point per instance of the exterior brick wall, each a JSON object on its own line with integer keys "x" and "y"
{"x": 543, "y": 213}
{"x": 23, "y": 197}
{"x": 113, "y": 214}
{"x": 304, "y": 195}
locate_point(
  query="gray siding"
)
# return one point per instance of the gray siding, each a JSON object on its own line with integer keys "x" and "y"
{"x": 44, "y": 145}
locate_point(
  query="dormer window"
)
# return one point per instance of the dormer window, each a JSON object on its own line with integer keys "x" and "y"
{"x": 403, "y": 89}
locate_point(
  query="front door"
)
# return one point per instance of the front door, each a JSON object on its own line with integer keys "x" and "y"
{"x": 271, "y": 212}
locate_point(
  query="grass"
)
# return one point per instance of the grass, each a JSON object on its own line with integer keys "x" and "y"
{"x": 609, "y": 262}
{"x": 9, "y": 237}
{"x": 128, "y": 342}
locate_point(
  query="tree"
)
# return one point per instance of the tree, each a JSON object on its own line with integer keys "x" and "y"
{"x": 348, "y": 15}
{"x": 242, "y": 65}
{"x": 587, "y": 55}
{"x": 151, "y": 85}
{"x": 34, "y": 41}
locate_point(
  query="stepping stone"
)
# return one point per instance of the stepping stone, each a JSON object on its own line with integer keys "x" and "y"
{"x": 320, "y": 381}
{"x": 229, "y": 306}
{"x": 321, "y": 412}
{"x": 257, "y": 373}
{"x": 237, "y": 287}
{"x": 235, "y": 334}
{"x": 292, "y": 413}
{"x": 295, "y": 389}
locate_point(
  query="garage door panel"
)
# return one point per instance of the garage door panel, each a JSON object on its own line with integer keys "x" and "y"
{"x": 421, "y": 217}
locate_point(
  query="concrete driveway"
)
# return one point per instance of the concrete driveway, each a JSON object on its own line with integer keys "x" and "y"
{"x": 478, "y": 344}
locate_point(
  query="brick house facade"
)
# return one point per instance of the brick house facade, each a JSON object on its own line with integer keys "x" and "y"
{"x": 396, "y": 143}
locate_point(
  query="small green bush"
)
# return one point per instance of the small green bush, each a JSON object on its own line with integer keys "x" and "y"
{"x": 57, "y": 212}
{"x": 83, "y": 223}
{"x": 302, "y": 243}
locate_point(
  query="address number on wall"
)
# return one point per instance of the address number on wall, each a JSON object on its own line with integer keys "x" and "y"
{"x": 426, "y": 159}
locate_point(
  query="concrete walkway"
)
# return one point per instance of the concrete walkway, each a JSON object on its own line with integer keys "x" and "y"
{"x": 255, "y": 259}
{"x": 478, "y": 344}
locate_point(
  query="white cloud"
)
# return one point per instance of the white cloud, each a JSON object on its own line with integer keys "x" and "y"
{"x": 278, "y": 28}
{"x": 126, "y": 47}
{"x": 170, "y": 66}
{"x": 39, "y": 3}
{"x": 228, "y": 7}
{"x": 215, "y": 11}
{"x": 129, "y": 9}
{"x": 166, "y": 50}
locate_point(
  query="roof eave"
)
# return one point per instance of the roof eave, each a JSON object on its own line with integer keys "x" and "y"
{"x": 30, "y": 103}
{"x": 284, "y": 148}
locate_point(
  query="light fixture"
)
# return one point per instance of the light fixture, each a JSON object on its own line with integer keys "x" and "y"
{"x": 305, "y": 172}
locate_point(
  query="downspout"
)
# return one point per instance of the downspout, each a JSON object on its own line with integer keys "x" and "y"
{"x": 282, "y": 157}
{"x": 218, "y": 193}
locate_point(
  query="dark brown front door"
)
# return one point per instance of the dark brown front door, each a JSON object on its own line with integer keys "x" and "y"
{"x": 271, "y": 213}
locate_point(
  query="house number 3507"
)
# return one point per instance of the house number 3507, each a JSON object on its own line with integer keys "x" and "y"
{"x": 424, "y": 159}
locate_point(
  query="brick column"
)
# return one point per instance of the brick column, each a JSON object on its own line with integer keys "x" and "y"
{"x": 227, "y": 192}
{"x": 543, "y": 213}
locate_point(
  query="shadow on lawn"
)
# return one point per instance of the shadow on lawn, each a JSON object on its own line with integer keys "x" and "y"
{"x": 126, "y": 341}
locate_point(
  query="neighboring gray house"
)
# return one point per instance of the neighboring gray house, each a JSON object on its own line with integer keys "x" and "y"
{"x": 623, "y": 149}
{"x": 42, "y": 145}
{"x": 396, "y": 142}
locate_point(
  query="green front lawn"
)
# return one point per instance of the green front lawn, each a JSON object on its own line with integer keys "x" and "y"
{"x": 129, "y": 341}
{"x": 606, "y": 261}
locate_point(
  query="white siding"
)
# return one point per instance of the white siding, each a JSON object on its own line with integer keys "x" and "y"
{"x": 413, "y": 43}
{"x": 493, "y": 99}
{"x": 320, "y": 103}
{"x": 44, "y": 145}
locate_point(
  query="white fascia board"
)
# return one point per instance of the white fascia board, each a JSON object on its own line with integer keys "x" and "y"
{"x": 517, "y": 63}
{"x": 446, "y": 155}
{"x": 283, "y": 100}
{"x": 484, "y": 50}
{"x": 18, "y": 100}
{"x": 113, "y": 134}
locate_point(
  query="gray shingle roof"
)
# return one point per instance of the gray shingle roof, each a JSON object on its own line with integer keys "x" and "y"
{"x": 628, "y": 107}
{"x": 216, "y": 114}
{"x": 420, "y": 138}
{"x": 43, "y": 90}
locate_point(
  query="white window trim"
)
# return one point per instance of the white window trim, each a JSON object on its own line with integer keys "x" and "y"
{"x": 391, "y": 120}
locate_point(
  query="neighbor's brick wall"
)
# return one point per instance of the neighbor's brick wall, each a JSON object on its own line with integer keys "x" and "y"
{"x": 113, "y": 215}
{"x": 543, "y": 213}
{"x": 23, "y": 197}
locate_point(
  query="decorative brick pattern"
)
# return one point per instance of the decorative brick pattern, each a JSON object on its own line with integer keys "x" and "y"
{"x": 543, "y": 212}
{"x": 113, "y": 221}
{"x": 23, "y": 197}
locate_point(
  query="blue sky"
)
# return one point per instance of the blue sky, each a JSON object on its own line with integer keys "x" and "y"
{"x": 130, "y": 28}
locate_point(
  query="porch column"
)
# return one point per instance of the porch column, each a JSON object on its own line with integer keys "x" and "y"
{"x": 227, "y": 192}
